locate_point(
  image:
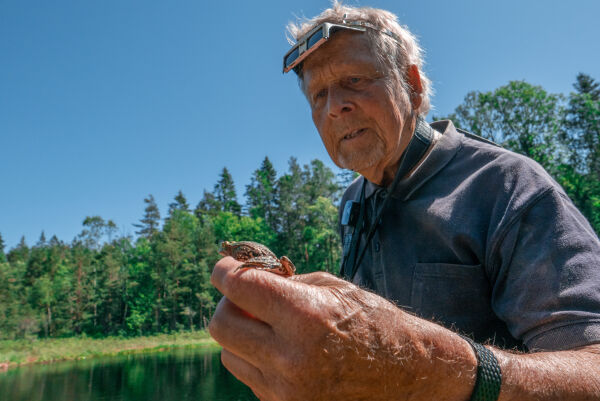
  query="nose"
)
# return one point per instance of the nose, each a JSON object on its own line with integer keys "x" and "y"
{"x": 338, "y": 102}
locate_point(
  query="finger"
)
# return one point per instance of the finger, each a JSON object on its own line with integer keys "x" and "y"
{"x": 242, "y": 334}
{"x": 320, "y": 279}
{"x": 245, "y": 372}
{"x": 270, "y": 297}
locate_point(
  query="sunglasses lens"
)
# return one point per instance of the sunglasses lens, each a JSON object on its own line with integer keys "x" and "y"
{"x": 314, "y": 39}
{"x": 290, "y": 58}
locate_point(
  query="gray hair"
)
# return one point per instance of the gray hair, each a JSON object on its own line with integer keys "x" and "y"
{"x": 397, "y": 55}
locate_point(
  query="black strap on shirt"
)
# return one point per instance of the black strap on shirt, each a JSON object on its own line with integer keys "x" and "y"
{"x": 357, "y": 230}
{"x": 414, "y": 152}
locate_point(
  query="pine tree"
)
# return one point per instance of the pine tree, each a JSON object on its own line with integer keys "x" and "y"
{"x": 43, "y": 297}
{"x": 42, "y": 241}
{"x": 150, "y": 223}
{"x": 83, "y": 288}
{"x": 226, "y": 195}
{"x": 110, "y": 283}
{"x": 179, "y": 204}
{"x": 586, "y": 84}
{"x": 54, "y": 241}
{"x": 175, "y": 263}
{"x": 261, "y": 193}
{"x": 319, "y": 181}
{"x": 290, "y": 207}
{"x": 37, "y": 262}
{"x": 20, "y": 253}
{"x": 208, "y": 206}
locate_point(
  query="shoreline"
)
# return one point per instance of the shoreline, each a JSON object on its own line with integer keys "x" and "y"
{"x": 17, "y": 353}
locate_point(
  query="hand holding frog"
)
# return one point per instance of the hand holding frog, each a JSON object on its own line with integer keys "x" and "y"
{"x": 316, "y": 337}
{"x": 257, "y": 256}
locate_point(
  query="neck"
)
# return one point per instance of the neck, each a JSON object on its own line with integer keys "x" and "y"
{"x": 384, "y": 176}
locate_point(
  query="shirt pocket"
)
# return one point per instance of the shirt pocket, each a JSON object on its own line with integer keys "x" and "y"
{"x": 451, "y": 294}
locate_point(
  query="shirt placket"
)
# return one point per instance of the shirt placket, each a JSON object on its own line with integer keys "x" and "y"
{"x": 375, "y": 251}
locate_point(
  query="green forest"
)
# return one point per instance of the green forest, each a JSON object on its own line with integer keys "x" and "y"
{"x": 104, "y": 284}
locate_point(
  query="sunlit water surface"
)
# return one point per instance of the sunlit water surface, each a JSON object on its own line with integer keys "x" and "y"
{"x": 175, "y": 375}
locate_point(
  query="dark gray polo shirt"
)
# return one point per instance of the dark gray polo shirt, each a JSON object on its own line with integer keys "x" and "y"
{"x": 483, "y": 240}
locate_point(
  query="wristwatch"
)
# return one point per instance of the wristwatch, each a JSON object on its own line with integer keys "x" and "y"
{"x": 489, "y": 375}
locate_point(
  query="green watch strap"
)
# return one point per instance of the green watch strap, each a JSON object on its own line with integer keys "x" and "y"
{"x": 489, "y": 376}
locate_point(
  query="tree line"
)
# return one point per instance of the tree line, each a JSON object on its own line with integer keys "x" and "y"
{"x": 104, "y": 284}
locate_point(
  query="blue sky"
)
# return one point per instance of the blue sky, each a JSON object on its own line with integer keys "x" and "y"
{"x": 105, "y": 102}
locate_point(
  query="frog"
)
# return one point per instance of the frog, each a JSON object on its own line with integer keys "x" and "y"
{"x": 257, "y": 256}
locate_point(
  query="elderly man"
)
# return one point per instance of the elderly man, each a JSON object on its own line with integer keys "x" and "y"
{"x": 464, "y": 243}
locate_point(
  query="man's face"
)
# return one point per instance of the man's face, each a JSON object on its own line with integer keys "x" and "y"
{"x": 361, "y": 114}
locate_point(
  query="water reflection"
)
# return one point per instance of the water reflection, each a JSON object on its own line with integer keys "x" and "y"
{"x": 176, "y": 375}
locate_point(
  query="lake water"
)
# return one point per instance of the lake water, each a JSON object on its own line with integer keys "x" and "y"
{"x": 176, "y": 375}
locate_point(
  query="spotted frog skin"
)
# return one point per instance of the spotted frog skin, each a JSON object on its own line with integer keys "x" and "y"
{"x": 257, "y": 256}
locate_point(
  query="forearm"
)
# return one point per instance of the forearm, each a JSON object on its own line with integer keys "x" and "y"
{"x": 445, "y": 364}
{"x": 412, "y": 358}
{"x": 560, "y": 375}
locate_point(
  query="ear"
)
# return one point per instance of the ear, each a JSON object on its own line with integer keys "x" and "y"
{"x": 416, "y": 88}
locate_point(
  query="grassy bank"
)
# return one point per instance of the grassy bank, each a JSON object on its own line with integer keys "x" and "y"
{"x": 19, "y": 352}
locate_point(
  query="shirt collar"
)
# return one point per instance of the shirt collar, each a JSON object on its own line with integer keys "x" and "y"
{"x": 444, "y": 150}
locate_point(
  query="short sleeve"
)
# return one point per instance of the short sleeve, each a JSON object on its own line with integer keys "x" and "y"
{"x": 546, "y": 275}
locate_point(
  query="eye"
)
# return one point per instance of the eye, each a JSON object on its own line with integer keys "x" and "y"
{"x": 356, "y": 82}
{"x": 320, "y": 94}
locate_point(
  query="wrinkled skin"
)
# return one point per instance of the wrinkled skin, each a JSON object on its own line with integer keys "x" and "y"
{"x": 316, "y": 337}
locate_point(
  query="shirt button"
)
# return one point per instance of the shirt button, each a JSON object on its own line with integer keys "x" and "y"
{"x": 377, "y": 246}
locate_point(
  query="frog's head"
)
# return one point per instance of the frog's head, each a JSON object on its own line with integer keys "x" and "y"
{"x": 226, "y": 248}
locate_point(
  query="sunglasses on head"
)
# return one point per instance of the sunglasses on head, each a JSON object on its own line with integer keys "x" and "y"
{"x": 317, "y": 36}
